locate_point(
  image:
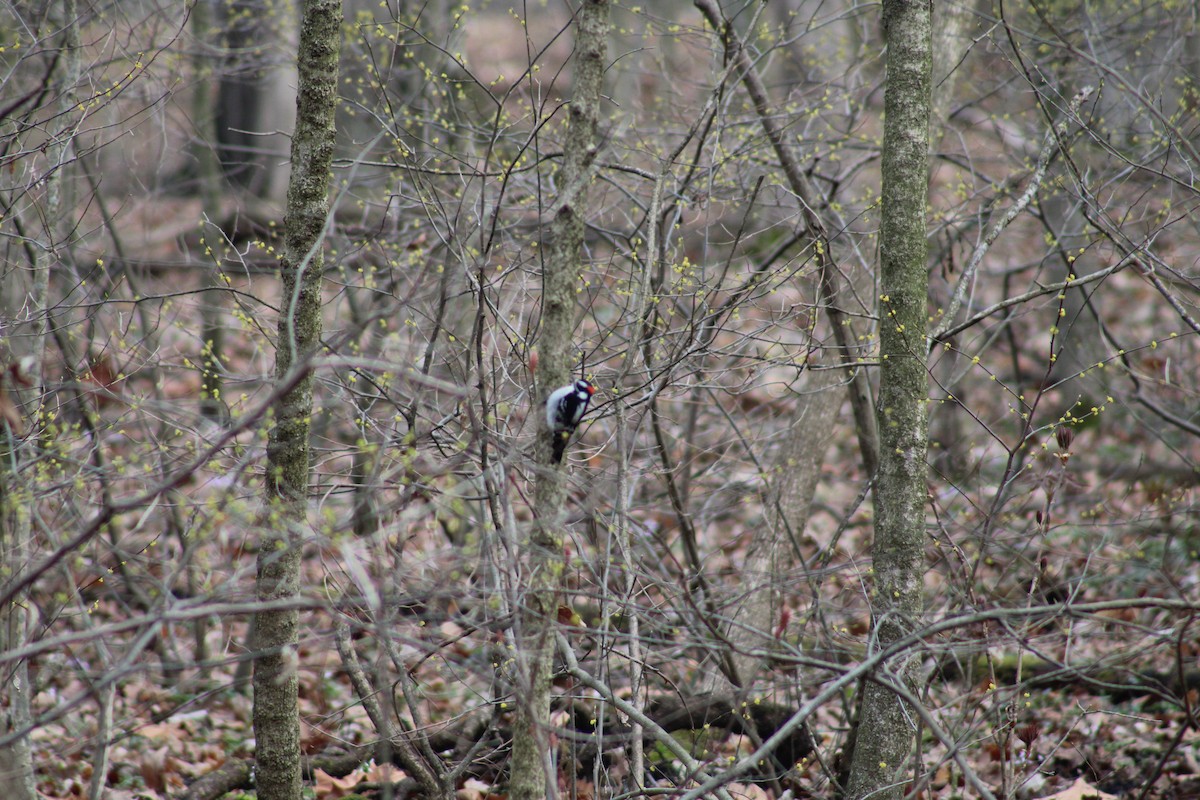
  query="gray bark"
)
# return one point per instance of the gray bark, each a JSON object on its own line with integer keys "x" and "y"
{"x": 16, "y": 759}
{"x": 886, "y": 726}
{"x": 16, "y": 691}
{"x": 253, "y": 98}
{"x": 210, "y": 179}
{"x": 276, "y": 716}
{"x": 560, "y": 277}
{"x": 952, "y": 42}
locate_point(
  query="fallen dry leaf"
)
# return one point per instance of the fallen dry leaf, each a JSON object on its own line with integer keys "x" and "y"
{"x": 1081, "y": 790}
{"x": 473, "y": 789}
{"x": 328, "y": 786}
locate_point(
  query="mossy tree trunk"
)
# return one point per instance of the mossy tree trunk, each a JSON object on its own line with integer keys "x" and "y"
{"x": 886, "y": 726}
{"x": 560, "y": 279}
{"x": 276, "y": 715}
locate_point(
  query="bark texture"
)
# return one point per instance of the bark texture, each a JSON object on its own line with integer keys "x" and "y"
{"x": 560, "y": 279}
{"x": 276, "y": 717}
{"x": 886, "y": 726}
{"x": 16, "y": 524}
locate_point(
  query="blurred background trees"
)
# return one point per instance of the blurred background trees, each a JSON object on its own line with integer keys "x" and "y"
{"x": 719, "y": 513}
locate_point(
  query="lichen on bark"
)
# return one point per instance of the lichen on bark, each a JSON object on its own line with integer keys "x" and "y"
{"x": 886, "y": 727}
{"x": 276, "y": 716}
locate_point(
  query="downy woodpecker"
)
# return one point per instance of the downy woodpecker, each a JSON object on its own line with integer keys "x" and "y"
{"x": 564, "y": 408}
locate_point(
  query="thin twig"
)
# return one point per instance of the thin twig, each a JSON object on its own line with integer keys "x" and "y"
{"x": 1052, "y": 144}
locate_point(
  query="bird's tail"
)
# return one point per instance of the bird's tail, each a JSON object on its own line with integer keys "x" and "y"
{"x": 560, "y": 445}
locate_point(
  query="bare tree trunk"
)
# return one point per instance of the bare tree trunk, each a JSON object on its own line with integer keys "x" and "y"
{"x": 16, "y": 760}
{"x": 794, "y": 494}
{"x": 276, "y": 717}
{"x": 810, "y": 203}
{"x": 797, "y": 470}
{"x": 952, "y": 43}
{"x": 560, "y": 278}
{"x": 951, "y": 46}
{"x": 886, "y": 726}
{"x": 210, "y": 179}
{"x": 250, "y": 98}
